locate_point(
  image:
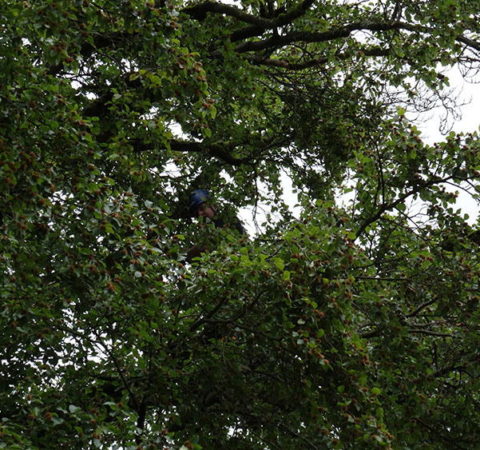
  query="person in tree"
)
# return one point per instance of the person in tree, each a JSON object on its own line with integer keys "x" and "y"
{"x": 201, "y": 206}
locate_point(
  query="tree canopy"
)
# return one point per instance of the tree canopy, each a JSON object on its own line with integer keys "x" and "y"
{"x": 352, "y": 325}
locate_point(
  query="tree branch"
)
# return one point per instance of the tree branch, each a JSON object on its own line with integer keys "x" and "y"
{"x": 430, "y": 333}
{"x": 199, "y": 12}
{"x": 334, "y": 33}
{"x": 378, "y": 331}
{"x": 340, "y": 32}
{"x": 246, "y": 307}
{"x": 260, "y": 24}
{"x": 282, "y": 19}
{"x": 397, "y": 11}
{"x": 119, "y": 370}
{"x": 219, "y": 151}
{"x": 469, "y": 42}
{"x": 386, "y": 207}
{"x": 203, "y": 319}
{"x": 421, "y": 307}
{"x": 285, "y": 64}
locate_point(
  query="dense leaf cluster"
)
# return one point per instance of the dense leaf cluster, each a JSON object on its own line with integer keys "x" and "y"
{"x": 354, "y": 325}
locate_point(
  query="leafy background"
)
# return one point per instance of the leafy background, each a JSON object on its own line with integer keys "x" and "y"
{"x": 350, "y": 326}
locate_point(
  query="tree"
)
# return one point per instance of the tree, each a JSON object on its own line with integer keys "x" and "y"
{"x": 354, "y": 326}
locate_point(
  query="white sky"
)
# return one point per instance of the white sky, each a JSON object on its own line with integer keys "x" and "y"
{"x": 468, "y": 93}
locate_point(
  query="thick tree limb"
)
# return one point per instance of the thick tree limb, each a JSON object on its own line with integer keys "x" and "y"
{"x": 340, "y": 32}
{"x": 323, "y": 36}
{"x": 245, "y": 33}
{"x": 200, "y": 11}
{"x": 221, "y": 152}
{"x": 285, "y": 64}
{"x": 282, "y": 19}
{"x": 469, "y": 42}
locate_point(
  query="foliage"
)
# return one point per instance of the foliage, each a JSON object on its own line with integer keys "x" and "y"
{"x": 353, "y": 326}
